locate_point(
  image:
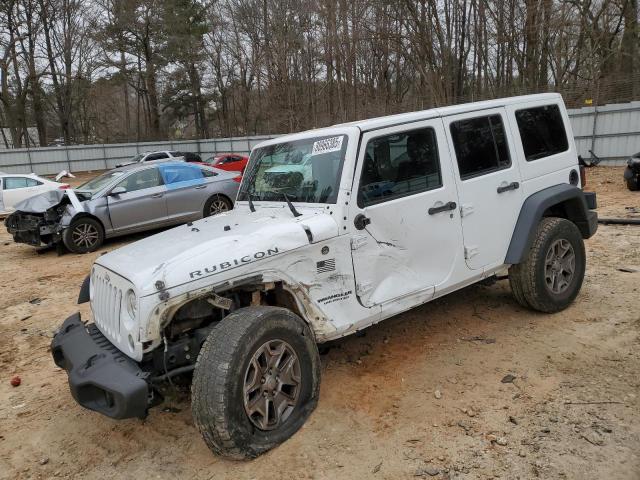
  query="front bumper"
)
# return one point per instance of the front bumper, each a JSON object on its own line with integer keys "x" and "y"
{"x": 101, "y": 378}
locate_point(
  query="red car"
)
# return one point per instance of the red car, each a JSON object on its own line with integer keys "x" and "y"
{"x": 232, "y": 162}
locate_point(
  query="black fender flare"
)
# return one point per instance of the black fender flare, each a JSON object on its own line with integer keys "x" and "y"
{"x": 83, "y": 297}
{"x": 569, "y": 198}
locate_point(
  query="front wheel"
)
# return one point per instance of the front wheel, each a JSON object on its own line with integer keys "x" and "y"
{"x": 83, "y": 235}
{"x": 216, "y": 204}
{"x": 256, "y": 381}
{"x": 551, "y": 276}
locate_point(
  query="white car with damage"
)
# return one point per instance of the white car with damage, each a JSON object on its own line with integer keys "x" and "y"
{"x": 398, "y": 211}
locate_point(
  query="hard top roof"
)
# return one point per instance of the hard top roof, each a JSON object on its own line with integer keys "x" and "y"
{"x": 380, "y": 122}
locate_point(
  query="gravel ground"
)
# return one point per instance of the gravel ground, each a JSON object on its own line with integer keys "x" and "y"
{"x": 422, "y": 395}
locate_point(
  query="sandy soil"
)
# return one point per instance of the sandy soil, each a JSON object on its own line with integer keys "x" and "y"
{"x": 572, "y": 411}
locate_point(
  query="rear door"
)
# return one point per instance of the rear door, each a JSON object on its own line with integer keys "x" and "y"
{"x": 407, "y": 232}
{"x": 187, "y": 190}
{"x": 489, "y": 184}
{"x": 18, "y": 188}
{"x": 143, "y": 205}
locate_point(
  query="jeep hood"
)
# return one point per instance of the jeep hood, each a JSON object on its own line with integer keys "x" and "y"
{"x": 213, "y": 247}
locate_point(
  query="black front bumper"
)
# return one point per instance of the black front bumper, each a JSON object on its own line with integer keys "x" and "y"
{"x": 101, "y": 378}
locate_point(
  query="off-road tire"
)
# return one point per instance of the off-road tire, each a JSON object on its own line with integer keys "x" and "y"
{"x": 527, "y": 279}
{"x": 69, "y": 235}
{"x": 633, "y": 183}
{"x": 216, "y": 200}
{"x": 217, "y": 392}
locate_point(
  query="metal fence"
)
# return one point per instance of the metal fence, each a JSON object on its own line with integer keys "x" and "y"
{"x": 82, "y": 158}
{"x": 612, "y": 132}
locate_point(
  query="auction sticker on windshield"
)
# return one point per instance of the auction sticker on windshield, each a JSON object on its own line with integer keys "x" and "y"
{"x": 333, "y": 144}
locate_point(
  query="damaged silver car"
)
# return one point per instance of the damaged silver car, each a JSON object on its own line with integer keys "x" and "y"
{"x": 124, "y": 200}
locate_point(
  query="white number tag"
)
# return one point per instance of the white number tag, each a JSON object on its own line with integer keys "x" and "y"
{"x": 333, "y": 144}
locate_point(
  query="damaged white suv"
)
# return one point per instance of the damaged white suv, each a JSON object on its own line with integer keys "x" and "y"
{"x": 392, "y": 213}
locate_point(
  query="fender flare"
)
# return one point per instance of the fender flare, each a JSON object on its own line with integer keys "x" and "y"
{"x": 570, "y": 199}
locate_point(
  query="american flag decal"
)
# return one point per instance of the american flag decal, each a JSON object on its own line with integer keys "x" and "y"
{"x": 326, "y": 265}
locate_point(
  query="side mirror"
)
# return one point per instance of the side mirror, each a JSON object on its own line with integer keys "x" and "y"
{"x": 117, "y": 191}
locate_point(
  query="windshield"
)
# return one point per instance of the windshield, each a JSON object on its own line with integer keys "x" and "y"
{"x": 305, "y": 170}
{"x": 95, "y": 185}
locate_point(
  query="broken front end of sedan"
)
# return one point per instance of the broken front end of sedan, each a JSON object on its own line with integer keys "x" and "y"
{"x": 40, "y": 221}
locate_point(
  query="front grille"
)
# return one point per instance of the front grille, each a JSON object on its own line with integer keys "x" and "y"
{"x": 106, "y": 304}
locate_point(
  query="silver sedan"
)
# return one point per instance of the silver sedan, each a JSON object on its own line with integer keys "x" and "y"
{"x": 122, "y": 201}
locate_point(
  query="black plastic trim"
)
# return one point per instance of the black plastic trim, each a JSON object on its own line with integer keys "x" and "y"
{"x": 574, "y": 204}
{"x": 101, "y": 378}
{"x": 83, "y": 296}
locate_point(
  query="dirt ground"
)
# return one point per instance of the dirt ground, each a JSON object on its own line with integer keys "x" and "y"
{"x": 419, "y": 394}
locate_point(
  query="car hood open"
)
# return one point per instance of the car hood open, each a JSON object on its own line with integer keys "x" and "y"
{"x": 215, "y": 246}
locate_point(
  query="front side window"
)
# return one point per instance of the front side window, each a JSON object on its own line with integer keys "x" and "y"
{"x": 307, "y": 170}
{"x": 481, "y": 145}
{"x": 541, "y": 131}
{"x": 147, "y": 178}
{"x": 398, "y": 165}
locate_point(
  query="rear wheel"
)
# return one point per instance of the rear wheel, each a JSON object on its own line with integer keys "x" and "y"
{"x": 551, "y": 276}
{"x": 256, "y": 381}
{"x": 83, "y": 235}
{"x": 633, "y": 183}
{"x": 216, "y": 204}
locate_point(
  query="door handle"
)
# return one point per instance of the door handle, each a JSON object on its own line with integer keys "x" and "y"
{"x": 443, "y": 208}
{"x": 200, "y": 186}
{"x": 506, "y": 188}
{"x": 157, "y": 195}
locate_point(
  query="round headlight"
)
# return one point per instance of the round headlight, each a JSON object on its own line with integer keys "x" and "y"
{"x": 131, "y": 302}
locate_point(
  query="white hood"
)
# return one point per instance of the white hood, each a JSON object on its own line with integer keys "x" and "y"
{"x": 217, "y": 245}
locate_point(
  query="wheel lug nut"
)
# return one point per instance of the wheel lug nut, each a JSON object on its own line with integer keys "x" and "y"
{"x": 262, "y": 380}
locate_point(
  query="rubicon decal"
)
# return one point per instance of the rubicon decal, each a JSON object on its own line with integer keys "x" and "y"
{"x": 236, "y": 262}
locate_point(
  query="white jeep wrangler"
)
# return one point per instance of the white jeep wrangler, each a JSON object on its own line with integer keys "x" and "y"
{"x": 394, "y": 212}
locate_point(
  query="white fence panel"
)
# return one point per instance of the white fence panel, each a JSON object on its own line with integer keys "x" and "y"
{"x": 611, "y": 132}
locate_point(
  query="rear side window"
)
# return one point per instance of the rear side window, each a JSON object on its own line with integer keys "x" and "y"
{"x": 481, "y": 145}
{"x": 542, "y": 131}
{"x": 399, "y": 165}
{"x": 33, "y": 183}
{"x": 181, "y": 175}
{"x": 11, "y": 183}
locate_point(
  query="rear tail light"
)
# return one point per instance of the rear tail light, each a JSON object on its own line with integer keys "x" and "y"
{"x": 64, "y": 187}
{"x": 237, "y": 179}
{"x": 583, "y": 176}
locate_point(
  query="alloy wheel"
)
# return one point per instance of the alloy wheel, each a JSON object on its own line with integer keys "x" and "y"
{"x": 272, "y": 384}
{"x": 560, "y": 265}
{"x": 85, "y": 235}
{"x": 218, "y": 206}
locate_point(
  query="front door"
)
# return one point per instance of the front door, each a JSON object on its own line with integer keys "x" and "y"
{"x": 488, "y": 184}
{"x": 406, "y": 223}
{"x": 143, "y": 205}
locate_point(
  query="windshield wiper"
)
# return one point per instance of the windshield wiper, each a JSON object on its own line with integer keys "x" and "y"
{"x": 295, "y": 212}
